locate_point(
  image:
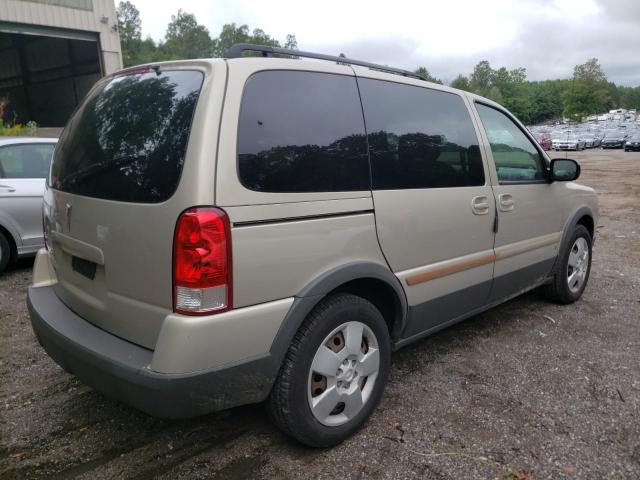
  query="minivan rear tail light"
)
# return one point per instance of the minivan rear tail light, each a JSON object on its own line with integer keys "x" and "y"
{"x": 202, "y": 262}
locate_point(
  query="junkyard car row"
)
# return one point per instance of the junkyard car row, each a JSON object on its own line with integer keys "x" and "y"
{"x": 623, "y": 133}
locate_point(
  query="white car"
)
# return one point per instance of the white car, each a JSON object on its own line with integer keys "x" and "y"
{"x": 568, "y": 142}
{"x": 24, "y": 166}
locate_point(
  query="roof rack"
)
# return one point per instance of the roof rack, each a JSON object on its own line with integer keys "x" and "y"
{"x": 236, "y": 52}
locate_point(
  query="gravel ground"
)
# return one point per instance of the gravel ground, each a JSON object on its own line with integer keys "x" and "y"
{"x": 527, "y": 390}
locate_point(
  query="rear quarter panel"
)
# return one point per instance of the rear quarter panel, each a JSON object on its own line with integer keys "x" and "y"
{"x": 276, "y": 260}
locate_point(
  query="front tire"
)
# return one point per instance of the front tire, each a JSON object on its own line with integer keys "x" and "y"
{"x": 5, "y": 252}
{"x": 334, "y": 373}
{"x": 574, "y": 267}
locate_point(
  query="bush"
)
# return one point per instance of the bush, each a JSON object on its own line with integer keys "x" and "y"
{"x": 12, "y": 129}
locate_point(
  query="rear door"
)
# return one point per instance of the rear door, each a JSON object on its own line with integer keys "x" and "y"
{"x": 434, "y": 205}
{"x": 126, "y": 166}
{"x": 23, "y": 169}
{"x": 530, "y": 214}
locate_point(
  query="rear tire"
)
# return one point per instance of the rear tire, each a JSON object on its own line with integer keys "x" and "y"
{"x": 5, "y": 252}
{"x": 573, "y": 269}
{"x": 346, "y": 334}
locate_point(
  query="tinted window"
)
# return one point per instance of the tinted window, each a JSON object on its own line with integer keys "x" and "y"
{"x": 25, "y": 161}
{"x": 515, "y": 156}
{"x": 128, "y": 139}
{"x": 419, "y": 138}
{"x": 302, "y": 132}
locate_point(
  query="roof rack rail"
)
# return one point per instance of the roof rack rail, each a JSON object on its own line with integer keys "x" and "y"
{"x": 236, "y": 52}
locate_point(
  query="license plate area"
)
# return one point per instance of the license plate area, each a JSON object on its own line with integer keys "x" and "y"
{"x": 83, "y": 267}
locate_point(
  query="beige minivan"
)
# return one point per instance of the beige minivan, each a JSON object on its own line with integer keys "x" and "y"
{"x": 229, "y": 231}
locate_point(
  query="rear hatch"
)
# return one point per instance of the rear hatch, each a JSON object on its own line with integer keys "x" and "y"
{"x": 115, "y": 192}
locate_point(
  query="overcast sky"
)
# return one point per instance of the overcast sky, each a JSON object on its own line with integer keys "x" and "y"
{"x": 547, "y": 37}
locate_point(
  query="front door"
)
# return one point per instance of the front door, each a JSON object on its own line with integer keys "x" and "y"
{"x": 529, "y": 226}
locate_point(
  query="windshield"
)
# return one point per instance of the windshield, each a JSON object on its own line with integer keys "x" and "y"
{"x": 128, "y": 139}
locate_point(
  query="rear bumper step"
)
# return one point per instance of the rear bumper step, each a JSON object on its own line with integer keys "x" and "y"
{"x": 120, "y": 369}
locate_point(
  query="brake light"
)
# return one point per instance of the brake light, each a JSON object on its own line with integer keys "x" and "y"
{"x": 202, "y": 262}
{"x": 133, "y": 71}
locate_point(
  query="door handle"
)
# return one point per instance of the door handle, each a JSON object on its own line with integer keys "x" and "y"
{"x": 8, "y": 188}
{"x": 480, "y": 205}
{"x": 506, "y": 202}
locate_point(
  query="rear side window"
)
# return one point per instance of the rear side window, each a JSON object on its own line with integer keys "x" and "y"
{"x": 302, "y": 132}
{"x": 128, "y": 139}
{"x": 419, "y": 137}
{"x": 25, "y": 161}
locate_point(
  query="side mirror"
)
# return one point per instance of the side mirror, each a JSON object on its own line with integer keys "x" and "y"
{"x": 564, "y": 170}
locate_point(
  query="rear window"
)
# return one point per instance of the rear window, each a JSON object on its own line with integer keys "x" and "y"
{"x": 128, "y": 139}
{"x": 302, "y": 132}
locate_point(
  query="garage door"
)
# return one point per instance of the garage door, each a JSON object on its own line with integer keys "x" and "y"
{"x": 45, "y": 72}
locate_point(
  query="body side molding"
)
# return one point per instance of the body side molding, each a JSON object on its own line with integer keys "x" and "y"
{"x": 442, "y": 312}
{"x": 459, "y": 264}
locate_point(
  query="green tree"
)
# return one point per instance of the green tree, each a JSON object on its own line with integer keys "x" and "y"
{"x": 546, "y": 99}
{"x": 129, "y": 29}
{"x": 135, "y": 50}
{"x": 129, "y": 23}
{"x": 232, "y": 34}
{"x": 148, "y": 52}
{"x": 291, "y": 42}
{"x": 629, "y": 97}
{"x": 481, "y": 78}
{"x": 424, "y": 73}
{"x": 495, "y": 94}
{"x": 186, "y": 38}
{"x": 462, "y": 83}
{"x": 262, "y": 38}
{"x": 588, "y": 91}
{"x": 229, "y": 36}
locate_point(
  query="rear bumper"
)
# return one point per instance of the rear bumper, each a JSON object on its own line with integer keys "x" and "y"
{"x": 120, "y": 369}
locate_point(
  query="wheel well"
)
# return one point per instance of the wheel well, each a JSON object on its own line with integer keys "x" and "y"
{"x": 587, "y": 222}
{"x": 12, "y": 242}
{"x": 383, "y": 297}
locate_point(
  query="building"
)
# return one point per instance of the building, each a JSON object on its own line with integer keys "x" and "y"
{"x": 51, "y": 53}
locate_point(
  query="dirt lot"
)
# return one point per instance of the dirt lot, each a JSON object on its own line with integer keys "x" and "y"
{"x": 527, "y": 390}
